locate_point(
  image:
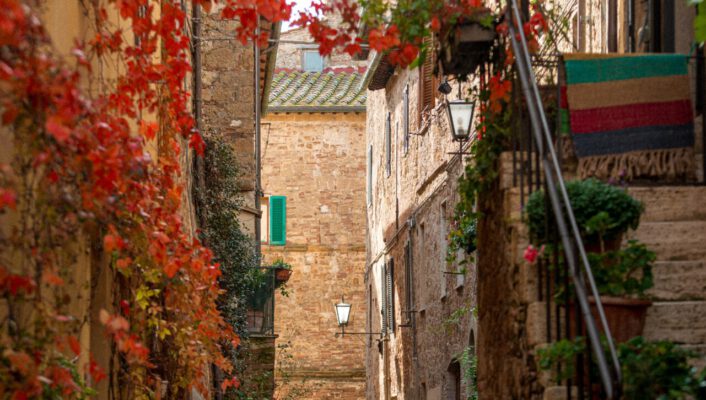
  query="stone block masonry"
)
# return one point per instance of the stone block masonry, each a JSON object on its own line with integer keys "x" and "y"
{"x": 317, "y": 160}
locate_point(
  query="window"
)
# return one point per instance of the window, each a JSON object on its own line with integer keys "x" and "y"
{"x": 405, "y": 118}
{"x": 388, "y": 298}
{"x": 443, "y": 246}
{"x": 278, "y": 220}
{"x": 655, "y": 21}
{"x": 369, "y": 314}
{"x": 312, "y": 61}
{"x": 408, "y": 282}
{"x": 388, "y": 145}
{"x": 264, "y": 220}
{"x": 427, "y": 83}
{"x": 369, "y": 186}
{"x": 454, "y": 374}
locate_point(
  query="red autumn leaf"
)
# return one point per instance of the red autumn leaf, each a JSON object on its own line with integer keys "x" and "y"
{"x": 19, "y": 361}
{"x": 110, "y": 243}
{"x": 57, "y": 129}
{"x": 171, "y": 269}
{"x": 74, "y": 344}
{"x": 148, "y": 129}
{"x": 52, "y": 278}
{"x": 196, "y": 142}
{"x": 97, "y": 373}
{"x": 125, "y": 307}
{"x": 8, "y": 198}
{"x": 232, "y": 382}
{"x": 435, "y": 24}
{"x": 123, "y": 263}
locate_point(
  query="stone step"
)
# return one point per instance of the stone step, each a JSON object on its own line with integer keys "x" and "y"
{"x": 681, "y": 322}
{"x": 679, "y": 280}
{"x": 674, "y": 240}
{"x": 671, "y": 203}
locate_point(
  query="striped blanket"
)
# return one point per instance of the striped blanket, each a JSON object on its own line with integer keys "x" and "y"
{"x": 630, "y": 116}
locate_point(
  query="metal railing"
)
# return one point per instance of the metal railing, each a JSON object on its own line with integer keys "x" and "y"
{"x": 547, "y": 163}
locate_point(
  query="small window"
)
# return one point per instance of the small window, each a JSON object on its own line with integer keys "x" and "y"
{"x": 278, "y": 220}
{"x": 388, "y": 145}
{"x": 264, "y": 220}
{"x": 443, "y": 246}
{"x": 312, "y": 61}
{"x": 427, "y": 83}
{"x": 408, "y": 280}
{"x": 369, "y": 186}
{"x": 388, "y": 311}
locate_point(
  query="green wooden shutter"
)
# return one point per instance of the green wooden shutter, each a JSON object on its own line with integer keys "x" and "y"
{"x": 278, "y": 220}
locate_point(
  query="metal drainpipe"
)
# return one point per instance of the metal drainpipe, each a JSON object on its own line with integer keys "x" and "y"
{"x": 258, "y": 189}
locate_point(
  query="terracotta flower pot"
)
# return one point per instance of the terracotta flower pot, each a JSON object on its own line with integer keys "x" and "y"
{"x": 594, "y": 245}
{"x": 626, "y": 317}
{"x": 282, "y": 275}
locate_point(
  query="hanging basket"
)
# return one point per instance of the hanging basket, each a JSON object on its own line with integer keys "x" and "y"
{"x": 467, "y": 47}
{"x": 282, "y": 275}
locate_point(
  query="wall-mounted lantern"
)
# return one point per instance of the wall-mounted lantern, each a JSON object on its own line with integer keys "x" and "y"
{"x": 460, "y": 114}
{"x": 343, "y": 313}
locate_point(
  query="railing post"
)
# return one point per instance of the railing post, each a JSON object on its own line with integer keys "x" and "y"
{"x": 553, "y": 178}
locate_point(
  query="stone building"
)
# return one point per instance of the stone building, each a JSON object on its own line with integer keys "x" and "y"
{"x": 515, "y": 318}
{"x": 426, "y": 312}
{"x": 313, "y": 174}
{"x": 421, "y": 305}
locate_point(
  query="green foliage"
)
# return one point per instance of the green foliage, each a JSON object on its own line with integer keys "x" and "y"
{"x": 463, "y": 236}
{"x": 469, "y": 371}
{"x": 651, "y": 370}
{"x": 699, "y": 21}
{"x": 623, "y": 272}
{"x": 657, "y": 370}
{"x": 218, "y": 209}
{"x": 279, "y": 263}
{"x": 232, "y": 248}
{"x": 456, "y": 317}
{"x": 282, "y": 286}
{"x": 601, "y": 210}
{"x": 561, "y": 355}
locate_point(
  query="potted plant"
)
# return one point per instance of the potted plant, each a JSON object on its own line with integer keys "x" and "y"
{"x": 622, "y": 278}
{"x": 650, "y": 370}
{"x": 466, "y": 44}
{"x": 603, "y": 213}
{"x": 283, "y": 271}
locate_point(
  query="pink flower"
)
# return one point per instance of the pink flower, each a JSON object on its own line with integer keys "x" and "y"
{"x": 531, "y": 253}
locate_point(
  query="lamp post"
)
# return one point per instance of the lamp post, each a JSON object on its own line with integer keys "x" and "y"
{"x": 343, "y": 313}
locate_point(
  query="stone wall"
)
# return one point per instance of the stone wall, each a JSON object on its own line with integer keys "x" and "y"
{"x": 318, "y": 162}
{"x": 289, "y": 55}
{"x": 414, "y": 203}
{"x": 228, "y": 98}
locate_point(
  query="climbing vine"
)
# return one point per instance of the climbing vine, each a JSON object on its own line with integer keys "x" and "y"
{"x": 94, "y": 184}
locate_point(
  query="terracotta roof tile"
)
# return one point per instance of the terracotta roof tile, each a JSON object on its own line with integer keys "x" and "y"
{"x": 333, "y": 89}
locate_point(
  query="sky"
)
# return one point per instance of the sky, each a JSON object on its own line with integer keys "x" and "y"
{"x": 299, "y": 5}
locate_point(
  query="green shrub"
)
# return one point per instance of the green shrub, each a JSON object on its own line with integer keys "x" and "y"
{"x": 623, "y": 272}
{"x": 600, "y": 210}
{"x": 657, "y": 370}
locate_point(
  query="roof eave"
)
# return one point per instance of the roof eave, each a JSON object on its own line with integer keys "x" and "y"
{"x": 316, "y": 109}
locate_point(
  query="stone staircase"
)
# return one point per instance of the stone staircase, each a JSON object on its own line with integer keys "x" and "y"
{"x": 674, "y": 227}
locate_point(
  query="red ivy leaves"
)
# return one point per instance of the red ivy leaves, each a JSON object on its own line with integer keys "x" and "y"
{"x": 86, "y": 147}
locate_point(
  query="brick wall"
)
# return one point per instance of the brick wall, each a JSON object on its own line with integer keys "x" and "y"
{"x": 318, "y": 162}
